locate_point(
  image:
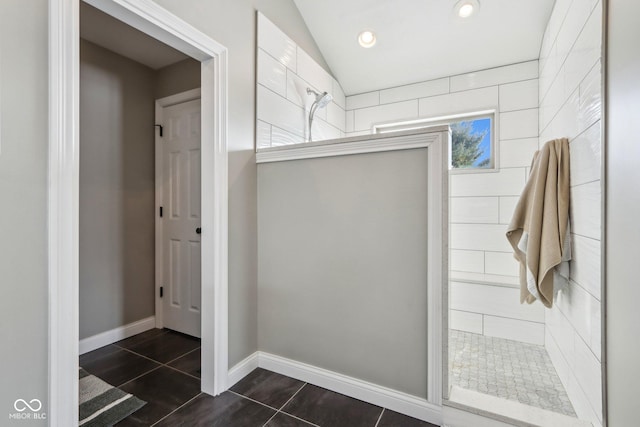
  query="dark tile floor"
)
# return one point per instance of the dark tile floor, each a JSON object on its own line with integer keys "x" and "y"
{"x": 162, "y": 367}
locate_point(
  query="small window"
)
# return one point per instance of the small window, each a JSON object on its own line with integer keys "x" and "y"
{"x": 472, "y": 137}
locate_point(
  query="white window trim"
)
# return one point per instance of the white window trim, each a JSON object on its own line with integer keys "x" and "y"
{"x": 425, "y": 123}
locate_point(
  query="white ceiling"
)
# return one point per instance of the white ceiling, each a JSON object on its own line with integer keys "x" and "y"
{"x": 116, "y": 36}
{"x": 420, "y": 40}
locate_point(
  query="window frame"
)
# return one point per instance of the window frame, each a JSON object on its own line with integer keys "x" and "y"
{"x": 425, "y": 123}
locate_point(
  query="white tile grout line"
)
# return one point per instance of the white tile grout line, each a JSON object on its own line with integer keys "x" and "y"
{"x": 161, "y": 364}
{"x": 178, "y": 408}
{"x": 379, "y": 418}
{"x": 181, "y": 356}
{"x": 144, "y": 340}
{"x": 253, "y": 400}
{"x": 291, "y": 398}
{"x": 272, "y": 417}
{"x": 141, "y": 375}
{"x": 230, "y": 391}
{"x": 271, "y": 407}
{"x": 278, "y": 411}
{"x": 299, "y": 419}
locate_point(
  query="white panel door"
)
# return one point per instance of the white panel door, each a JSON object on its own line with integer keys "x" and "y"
{"x": 181, "y": 217}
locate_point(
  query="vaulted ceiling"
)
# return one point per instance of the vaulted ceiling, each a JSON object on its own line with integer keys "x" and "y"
{"x": 419, "y": 40}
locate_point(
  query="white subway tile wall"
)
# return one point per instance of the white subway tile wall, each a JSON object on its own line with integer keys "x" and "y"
{"x": 479, "y": 237}
{"x": 511, "y": 329}
{"x": 474, "y": 210}
{"x": 296, "y": 89}
{"x": 417, "y": 90}
{"x": 466, "y": 260}
{"x": 495, "y": 76}
{"x": 280, "y": 112}
{"x": 505, "y": 182}
{"x": 519, "y": 95}
{"x": 516, "y": 153}
{"x": 363, "y": 100}
{"x": 519, "y": 124}
{"x": 284, "y": 72}
{"x": 500, "y": 263}
{"x": 263, "y": 134}
{"x": 586, "y": 265}
{"x": 336, "y": 116}
{"x": 272, "y": 73}
{"x": 276, "y": 43}
{"x": 585, "y": 209}
{"x": 338, "y": 95}
{"x": 493, "y": 301}
{"x": 460, "y": 102}
{"x": 465, "y": 321}
{"x": 313, "y": 73}
{"x": 281, "y": 137}
{"x": 481, "y": 203}
{"x": 507, "y": 207}
{"x": 365, "y": 118}
{"x": 571, "y": 106}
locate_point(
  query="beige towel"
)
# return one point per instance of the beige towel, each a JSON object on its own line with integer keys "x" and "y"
{"x": 538, "y": 229}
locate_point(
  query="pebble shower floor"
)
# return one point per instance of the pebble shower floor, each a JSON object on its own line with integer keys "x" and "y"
{"x": 508, "y": 369}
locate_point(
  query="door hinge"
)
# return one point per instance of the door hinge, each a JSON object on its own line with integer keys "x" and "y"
{"x": 161, "y": 291}
{"x": 160, "y": 211}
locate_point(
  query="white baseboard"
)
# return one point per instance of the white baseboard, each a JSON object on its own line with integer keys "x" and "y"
{"x": 117, "y": 334}
{"x": 382, "y": 396}
{"x": 242, "y": 369}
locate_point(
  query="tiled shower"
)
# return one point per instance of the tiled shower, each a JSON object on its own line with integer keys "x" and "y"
{"x": 549, "y": 359}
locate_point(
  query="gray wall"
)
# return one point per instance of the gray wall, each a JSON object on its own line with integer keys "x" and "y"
{"x": 233, "y": 23}
{"x": 176, "y": 78}
{"x": 23, "y": 216}
{"x": 623, "y": 211}
{"x": 117, "y": 190}
{"x": 23, "y": 166}
{"x": 342, "y": 263}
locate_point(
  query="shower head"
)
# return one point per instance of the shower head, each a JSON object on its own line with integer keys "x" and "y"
{"x": 322, "y": 99}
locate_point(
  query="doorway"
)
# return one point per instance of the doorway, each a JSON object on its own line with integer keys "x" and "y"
{"x": 64, "y": 195}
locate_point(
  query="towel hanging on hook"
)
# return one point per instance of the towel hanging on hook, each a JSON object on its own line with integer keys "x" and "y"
{"x": 539, "y": 231}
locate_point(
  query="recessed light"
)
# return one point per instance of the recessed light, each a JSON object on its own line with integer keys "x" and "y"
{"x": 466, "y": 8}
{"x": 367, "y": 39}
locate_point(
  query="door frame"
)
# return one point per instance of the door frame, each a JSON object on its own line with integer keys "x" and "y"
{"x": 63, "y": 191}
{"x": 160, "y": 104}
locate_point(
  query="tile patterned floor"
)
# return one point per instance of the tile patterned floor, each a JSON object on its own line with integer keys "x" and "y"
{"x": 163, "y": 368}
{"x": 508, "y": 369}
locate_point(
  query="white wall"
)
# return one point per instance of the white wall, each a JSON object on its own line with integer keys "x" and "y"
{"x": 482, "y": 202}
{"x": 623, "y": 211}
{"x": 285, "y": 71}
{"x": 570, "y": 106}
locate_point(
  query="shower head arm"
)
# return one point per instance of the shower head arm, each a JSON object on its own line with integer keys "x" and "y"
{"x": 312, "y": 112}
